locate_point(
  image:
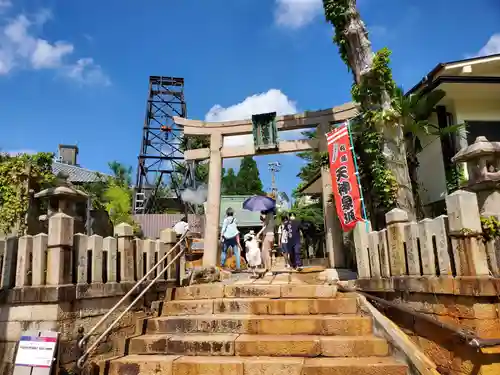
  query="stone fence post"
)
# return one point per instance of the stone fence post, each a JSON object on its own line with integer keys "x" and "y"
{"x": 60, "y": 250}
{"x": 465, "y": 229}
{"x": 8, "y": 248}
{"x": 111, "y": 250}
{"x": 360, "y": 234}
{"x": 40, "y": 242}
{"x": 396, "y": 220}
{"x": 125, "y": 234}
{"x": 24, "y": 253}
{"x": 168, "y": 239}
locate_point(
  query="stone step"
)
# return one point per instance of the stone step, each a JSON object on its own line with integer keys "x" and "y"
{"x": 186, "y": 344}
{"x": 260, "y": 345}
{"x": 219, "y": 290}
{"x": 327, "y": 325}
{"x": 261, "y": 306}
{"x": 193, "y": 365}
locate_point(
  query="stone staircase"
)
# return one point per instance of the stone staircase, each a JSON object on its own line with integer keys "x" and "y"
{"x": 285, "y": 324}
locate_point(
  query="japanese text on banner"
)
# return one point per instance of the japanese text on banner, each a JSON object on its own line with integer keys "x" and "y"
{"x": 346, "y": 190}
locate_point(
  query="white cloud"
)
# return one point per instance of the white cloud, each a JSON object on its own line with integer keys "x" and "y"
{"x": 295, "y": 14}
{"x": 271, "y": 101}
{"x": 4, "y": 5}
{"x": 492, "y": 47}
{"x": 87, "y": 72}
{"x": 21, "y": 48}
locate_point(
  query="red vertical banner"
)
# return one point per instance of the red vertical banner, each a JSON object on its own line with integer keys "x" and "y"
{"x": 346, "y": 189}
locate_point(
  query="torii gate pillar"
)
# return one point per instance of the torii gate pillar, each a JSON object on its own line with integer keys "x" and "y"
{"x": 212, "y": 214}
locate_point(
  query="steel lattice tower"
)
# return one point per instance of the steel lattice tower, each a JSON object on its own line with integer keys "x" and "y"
{"x": 161, "y": 157}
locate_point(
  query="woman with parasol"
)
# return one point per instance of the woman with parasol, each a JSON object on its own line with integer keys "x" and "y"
{"x": 267, "y": 207}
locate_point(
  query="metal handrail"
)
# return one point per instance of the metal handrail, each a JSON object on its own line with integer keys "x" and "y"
{"x": 470, "y": 338}
{"x": 83, "y": 341}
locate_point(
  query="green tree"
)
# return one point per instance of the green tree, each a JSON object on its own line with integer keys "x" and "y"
{"x": 201, "y": 169}
{"x": 312, "y": 212}
{"x": 118, "y": 203}
{"x": 122, "y": 175}
{"x": 18, "y": 175}
{"x": 248, "y": 178}
{"x": 114, "y": 193}
{"x": 414, "y": 112}
{"x": 230, "y": 183}
{"x": 372, "y": 89}
{"x": 314, "y": 159}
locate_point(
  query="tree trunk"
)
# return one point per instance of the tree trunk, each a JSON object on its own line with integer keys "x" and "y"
{"x": 360, "y": 58}
{"x": 412, "y": 161}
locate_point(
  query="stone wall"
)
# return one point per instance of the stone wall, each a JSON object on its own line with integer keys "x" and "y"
{"x": 474, "y": 314}
{"x": 67, "y": 283}
{"x": 444, "y": 268}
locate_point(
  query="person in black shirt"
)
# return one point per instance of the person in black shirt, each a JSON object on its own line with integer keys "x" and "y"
{"x": 293, "y": 229}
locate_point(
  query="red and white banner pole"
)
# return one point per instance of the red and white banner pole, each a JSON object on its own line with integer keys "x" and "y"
{"x": 345, "y": 178}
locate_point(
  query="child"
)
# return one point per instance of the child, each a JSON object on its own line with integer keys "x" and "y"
{"x": 253, "y": 253}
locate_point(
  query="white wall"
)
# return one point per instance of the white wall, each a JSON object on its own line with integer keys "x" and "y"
{"x": 431, "y": 173}
{"x": 477, "y": 110}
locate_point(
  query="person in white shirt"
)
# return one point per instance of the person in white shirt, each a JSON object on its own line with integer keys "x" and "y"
{"x": 253, "y": 253}
{"x": 246, "y": 238}
{"x": 230, "y": 238}
{"x": 283, "y": 240}
{"x": 180, "y": 229}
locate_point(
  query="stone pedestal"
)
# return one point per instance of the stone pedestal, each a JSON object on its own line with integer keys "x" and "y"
{"x": 59, "y": 250}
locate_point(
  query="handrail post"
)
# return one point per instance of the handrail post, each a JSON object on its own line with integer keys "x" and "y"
{"x": 180, "y": 264}
{"x": 161, "y": 271}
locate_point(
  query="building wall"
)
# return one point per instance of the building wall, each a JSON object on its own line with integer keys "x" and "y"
{"x": 431, "y": 171}
{"x": 469, "y": 110}
{"x": 244, "y": 218}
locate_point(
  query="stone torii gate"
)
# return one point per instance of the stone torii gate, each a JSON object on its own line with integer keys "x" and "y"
{"x": 321, "y": 120}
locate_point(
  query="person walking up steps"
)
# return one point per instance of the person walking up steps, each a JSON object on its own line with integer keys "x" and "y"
{"x": 293, "y": 229}
{"x": 230, "y": 238}
{"x": 267, "y": 232}
{"x": 283, "y": 240}
{"x": 180, "y": 228}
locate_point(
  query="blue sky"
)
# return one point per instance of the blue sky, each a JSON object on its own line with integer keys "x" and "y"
{"x": 74, "y": 71}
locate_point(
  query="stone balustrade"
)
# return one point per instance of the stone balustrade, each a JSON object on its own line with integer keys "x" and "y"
{"x": 61, "y": 258}
{"x": 447, "y": 254}
{"x": 66, "y": 282}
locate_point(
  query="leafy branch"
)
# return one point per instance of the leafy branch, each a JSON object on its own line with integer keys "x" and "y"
{"x": 18, "y": 175}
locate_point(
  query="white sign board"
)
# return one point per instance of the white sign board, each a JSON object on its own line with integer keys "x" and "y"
{"x": 36, "y": 351}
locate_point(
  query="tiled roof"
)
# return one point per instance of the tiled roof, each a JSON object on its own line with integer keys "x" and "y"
{"x": 76, "y": 174}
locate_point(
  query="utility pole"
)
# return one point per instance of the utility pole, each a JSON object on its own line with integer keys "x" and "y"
{"x": 274, "y": 167}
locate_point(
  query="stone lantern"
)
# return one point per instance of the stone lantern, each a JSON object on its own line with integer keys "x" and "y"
{"x": 483, "y": 163}
{"x": 64, "y": 198}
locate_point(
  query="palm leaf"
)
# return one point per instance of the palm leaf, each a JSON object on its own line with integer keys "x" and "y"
{"x": 424, "y": 105}
{"x": 453, "y": 129}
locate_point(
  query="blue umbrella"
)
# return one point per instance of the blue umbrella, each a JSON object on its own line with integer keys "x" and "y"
{"x": 259, "y": 203}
